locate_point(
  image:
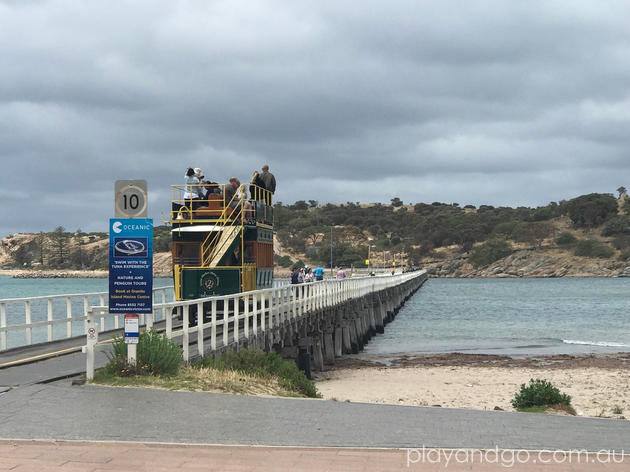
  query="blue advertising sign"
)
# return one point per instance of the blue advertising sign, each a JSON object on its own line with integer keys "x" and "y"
{"x": 130, "y": 265}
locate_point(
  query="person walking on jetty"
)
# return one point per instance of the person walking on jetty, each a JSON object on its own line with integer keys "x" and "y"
{"x": 319, "y": 273}
{"x": 269, "y": 180}
{"x": 341, "y": 274}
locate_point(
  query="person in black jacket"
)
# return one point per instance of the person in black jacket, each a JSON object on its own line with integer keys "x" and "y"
{"x": 269, "y": 182}
{"x": 255, "y": 186}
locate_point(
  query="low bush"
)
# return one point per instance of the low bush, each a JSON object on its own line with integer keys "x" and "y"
{"x": 539, "y": 393}
{"x": 592, "y": 248}
{"x": 565, "y": 239}
{"x": 156, "y": 355}
{"x": 489, "y": 252}
{"x": 283, "y": 261}
{"x": 616, "y": 225}
{"x": 262, "y": 364}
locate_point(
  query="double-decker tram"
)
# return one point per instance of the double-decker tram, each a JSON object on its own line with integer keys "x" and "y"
{"x": 223, "y": 241}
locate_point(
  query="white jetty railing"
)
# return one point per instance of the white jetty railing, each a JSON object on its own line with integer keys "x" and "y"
{"x": 261, "y": 310}
{"x": 56, "y": 317}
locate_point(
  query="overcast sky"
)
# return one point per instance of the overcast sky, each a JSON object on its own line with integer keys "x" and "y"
{"x": 495, "y": 102}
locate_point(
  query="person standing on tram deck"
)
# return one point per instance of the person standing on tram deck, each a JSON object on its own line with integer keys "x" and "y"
{"x": 270, "y": 182}
{"x": 255, "y": 186}
{"x": 192, "y": 189}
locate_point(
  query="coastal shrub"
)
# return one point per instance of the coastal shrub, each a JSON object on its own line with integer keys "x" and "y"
{"x": 298, "y": 264}
{"x": 506, "y": 229}
{"x": 621, "y": 242}
{"x": 616, "y": 225}
{"x": 565, "y": 239}
{"x": 263, "y": 364}
{"x": 592, "y": 248}
{"x": 489, "y": 252}
{"x": 539, "y": 392}
{"x": 283, "y": 261}
{"x": 155, "y": 355}
{"x": 160, "y": 354}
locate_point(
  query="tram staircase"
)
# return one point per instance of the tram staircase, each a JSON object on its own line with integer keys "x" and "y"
{"x": 217, "y": 247}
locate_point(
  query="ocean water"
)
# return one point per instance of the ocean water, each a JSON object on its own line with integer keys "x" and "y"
{"x": 512, "y": 317}
{"x": 25, "y": 288}
{"x": 490, "y": 316}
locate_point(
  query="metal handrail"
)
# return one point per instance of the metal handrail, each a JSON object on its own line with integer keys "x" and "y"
{"x": 71, "y": 315}
{"x": 270, "y": 307}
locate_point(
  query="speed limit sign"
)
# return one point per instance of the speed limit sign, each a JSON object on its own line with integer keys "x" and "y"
{"x": 130, "y": 200}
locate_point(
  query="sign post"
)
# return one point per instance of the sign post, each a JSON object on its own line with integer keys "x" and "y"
{"x": 132, "y": 335}
{"x": 131, "y": 259}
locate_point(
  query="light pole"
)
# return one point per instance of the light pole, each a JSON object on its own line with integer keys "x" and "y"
{"x": 369, "y": 259}
{"x": 331, "y": 252}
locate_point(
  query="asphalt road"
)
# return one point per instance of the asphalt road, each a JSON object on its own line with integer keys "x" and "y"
{"x": 63, "y": 412}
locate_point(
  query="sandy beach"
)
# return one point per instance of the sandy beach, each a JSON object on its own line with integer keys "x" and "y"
{"x": 599, "y": 385}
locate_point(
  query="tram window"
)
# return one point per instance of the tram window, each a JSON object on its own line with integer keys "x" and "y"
{"x": 186, "y": 253}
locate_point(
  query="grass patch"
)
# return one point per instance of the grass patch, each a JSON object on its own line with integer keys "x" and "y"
{"x": 556, "y": 408}
{"x": 247, "y": 372}
{"x": 533, "y": 409}
{"x": 201, "y": 379}
{"x": 264, "y": 365}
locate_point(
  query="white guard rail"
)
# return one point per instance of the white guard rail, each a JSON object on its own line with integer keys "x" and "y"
{"x": 262, "y": 310}
{"x": 33, "y": 320}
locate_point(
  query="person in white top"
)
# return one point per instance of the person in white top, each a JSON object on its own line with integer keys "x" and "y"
{"x": 192, "y": 190}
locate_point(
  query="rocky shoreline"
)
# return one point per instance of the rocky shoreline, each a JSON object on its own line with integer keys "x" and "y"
{"x": 531, "y": 264}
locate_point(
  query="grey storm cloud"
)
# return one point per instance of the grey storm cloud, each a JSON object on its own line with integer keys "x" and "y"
{"x": 516, "y": 103}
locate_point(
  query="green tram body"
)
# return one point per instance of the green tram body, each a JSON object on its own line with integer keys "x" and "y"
{"x": 220, "y": 247}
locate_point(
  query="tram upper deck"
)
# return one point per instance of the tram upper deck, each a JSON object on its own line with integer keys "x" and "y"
{"x": 222, "y": 242}
{"x": 248, "y": 203}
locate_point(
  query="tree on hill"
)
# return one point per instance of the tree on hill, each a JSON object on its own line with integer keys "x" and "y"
{"x": 60, "y": 238}
{"x": 41, "y": 240}
{"x": 300, "y": 205}
{"x": 397, "y": 202}
{"x": 622, "y": 191}
{"x": 588, "y": 211}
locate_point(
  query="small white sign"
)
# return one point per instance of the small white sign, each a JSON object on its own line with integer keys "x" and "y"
{"x": 132, "y": 329}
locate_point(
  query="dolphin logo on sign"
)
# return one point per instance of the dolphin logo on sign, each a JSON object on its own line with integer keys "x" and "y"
{"x": 116, "y": 227}
{"x": 130, "y": 247}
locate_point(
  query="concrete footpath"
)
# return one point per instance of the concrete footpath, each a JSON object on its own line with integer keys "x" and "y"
{"x": 182, "y": 425}
{"x": 38, "y": 456}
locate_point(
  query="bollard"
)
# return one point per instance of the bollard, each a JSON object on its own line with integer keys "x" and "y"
{"x": 91, "y": 340}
